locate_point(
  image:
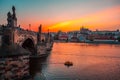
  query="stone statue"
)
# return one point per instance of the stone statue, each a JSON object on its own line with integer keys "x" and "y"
{"x": 14, "y": 14}
{"x": 9, "y": 19}
{"x": 12, "y": 20}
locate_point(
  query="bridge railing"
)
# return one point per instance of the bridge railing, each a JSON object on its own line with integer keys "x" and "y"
{"x": 27, "y": 32}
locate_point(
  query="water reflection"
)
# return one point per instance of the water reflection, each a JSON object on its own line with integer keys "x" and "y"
{"x": 91, "y": 62}
{"x": 36, "y": 66}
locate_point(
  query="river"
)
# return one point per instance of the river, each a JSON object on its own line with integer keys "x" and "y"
{"x": 90, "y": 62}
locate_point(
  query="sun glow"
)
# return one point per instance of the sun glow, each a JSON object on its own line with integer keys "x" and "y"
{"x": 94, "y": 21}
{"x": 104, "y": 19}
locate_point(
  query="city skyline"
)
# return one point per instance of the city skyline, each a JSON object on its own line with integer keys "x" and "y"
{"x": 63, "y": 14}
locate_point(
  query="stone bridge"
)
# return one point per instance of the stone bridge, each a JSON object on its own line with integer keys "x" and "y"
{"x": 22, "y": 36}
{"x": 15, "y": 35}
{"x": 26, "y": 39}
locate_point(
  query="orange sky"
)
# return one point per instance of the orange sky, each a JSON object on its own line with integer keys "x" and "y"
{"x": 64, "y": 15}
{"x": 100, "y": 20}
{"x": 105, "y": 19}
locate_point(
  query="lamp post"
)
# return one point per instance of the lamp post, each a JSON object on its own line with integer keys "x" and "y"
{"x": 30, "y": 27}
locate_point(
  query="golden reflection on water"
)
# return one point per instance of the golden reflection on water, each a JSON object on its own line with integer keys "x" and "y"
{"x": 90, "y": 62}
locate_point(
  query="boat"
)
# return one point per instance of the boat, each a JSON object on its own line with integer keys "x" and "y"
{"x": 68, "y": 63}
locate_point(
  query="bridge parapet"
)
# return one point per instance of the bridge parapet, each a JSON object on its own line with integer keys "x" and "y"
{"x": 21, "y": 31}
{"x": 20, "y": 35}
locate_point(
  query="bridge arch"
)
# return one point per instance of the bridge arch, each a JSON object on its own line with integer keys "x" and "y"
{"x": 29, "y": 45}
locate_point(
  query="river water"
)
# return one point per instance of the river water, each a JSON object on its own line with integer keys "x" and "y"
{"x": 90, "y": 62}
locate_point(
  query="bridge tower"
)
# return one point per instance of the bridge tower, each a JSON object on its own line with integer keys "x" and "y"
{"x": 8, "y": 37}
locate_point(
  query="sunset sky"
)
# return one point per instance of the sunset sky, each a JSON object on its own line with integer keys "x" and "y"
{"x": 65, "y": 15}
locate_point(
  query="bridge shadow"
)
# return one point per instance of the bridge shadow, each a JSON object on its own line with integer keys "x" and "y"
{"x": 29, "y": 45}
{"x": 36, "y": 67}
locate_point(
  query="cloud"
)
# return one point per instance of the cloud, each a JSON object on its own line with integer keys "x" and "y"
{"x": 102, "y": 19}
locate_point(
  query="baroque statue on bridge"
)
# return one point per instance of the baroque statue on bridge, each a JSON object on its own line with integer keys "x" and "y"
{"x": 11, "y": 18}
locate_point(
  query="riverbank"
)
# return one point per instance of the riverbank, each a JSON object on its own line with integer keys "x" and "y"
{"x": 103, "y": 42}
{"x": 94, "y": 42}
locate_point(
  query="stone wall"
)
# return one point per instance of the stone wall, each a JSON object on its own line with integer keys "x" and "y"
{"x": 14, "y": 67}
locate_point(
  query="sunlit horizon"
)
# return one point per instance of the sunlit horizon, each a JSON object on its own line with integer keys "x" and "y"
{"x": 64, "y": 15}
